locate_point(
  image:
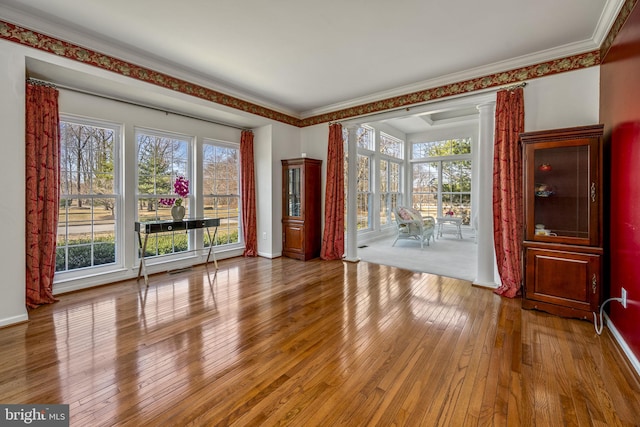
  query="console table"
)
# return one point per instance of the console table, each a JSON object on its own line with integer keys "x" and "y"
{"x": 152, "y": 227}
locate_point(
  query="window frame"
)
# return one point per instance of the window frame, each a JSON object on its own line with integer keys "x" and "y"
{"x": 156, "y": 238}
{"x": 235, "y": 146}
{"x": 439, "y": 161}
{"x": 117, "y": 195}
{"x": 389, "y": 199}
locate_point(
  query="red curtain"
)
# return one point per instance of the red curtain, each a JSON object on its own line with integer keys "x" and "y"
{"x": 333, "y": 238}
{"x": 42, "y": 192}
{"x": 248, "y": 195}
{"x": 507, "y": 190}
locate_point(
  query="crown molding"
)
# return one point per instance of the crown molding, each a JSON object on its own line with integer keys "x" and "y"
{"x": 607, "y": 20}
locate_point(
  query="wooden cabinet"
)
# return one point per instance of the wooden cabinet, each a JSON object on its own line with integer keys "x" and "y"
{"x": 301, "y": 210}
{"x": 563, "y": 220}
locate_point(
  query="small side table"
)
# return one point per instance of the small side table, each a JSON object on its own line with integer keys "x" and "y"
{"x": 457, "y": 221}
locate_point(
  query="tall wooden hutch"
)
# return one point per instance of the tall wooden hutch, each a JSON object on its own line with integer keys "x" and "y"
{"x": 563, "y": 248}
{"x": 301, "y": 210}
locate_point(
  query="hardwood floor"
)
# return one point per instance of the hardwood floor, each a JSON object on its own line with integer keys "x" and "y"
{"x": 317, "y": 343}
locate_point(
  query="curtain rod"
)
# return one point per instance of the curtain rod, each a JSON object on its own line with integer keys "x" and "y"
{"x": 477, "y": 92}
{"x": 40, "y": 82}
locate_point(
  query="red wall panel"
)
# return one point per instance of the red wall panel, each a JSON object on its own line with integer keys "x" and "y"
{"x": 620, "y": 113}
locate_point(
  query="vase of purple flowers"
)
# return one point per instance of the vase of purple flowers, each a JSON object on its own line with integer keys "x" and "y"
{"x": 181, "y": 188}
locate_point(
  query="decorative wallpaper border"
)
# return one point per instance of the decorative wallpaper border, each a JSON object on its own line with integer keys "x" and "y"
{"x": 624, "y": 13}
{"x": 48, "y": 44}
{"x": 26, "y": 37}
{"x": 517, "y": 75}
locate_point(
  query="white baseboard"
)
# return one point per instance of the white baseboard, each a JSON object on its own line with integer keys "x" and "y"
{"x": 14, "y": 319}
{"x": 269, "y": 255}
{"x": 623, "y": 344}
{"x": 153, "y": 267}
{"x": 488, "y": 285}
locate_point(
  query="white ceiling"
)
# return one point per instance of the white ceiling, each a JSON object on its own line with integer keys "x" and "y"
{"x": 304, "y": 57}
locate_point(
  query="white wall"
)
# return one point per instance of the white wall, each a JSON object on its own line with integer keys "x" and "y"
{"x": 286, "y": 145}
{"x": 12, "y": 170}
{"x": 263, "y": 155}
{"x": 314, "y": 141}
{"x": 562, "y": 100}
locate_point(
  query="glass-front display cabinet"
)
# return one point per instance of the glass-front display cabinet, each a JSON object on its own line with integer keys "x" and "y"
{"x": 293, "y": 192}
{"x": 563, "y": 220}
{"x": 301, "y": 209}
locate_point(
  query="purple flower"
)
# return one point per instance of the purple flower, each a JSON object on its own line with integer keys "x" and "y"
{"x": 181, "y": 188}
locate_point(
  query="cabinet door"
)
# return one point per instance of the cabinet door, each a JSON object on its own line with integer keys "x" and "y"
{"x": 562, "y": 191}
{"x": 293, "y": 191}
{"x": 569, "y": 280}
{"x": 293, "y": 238}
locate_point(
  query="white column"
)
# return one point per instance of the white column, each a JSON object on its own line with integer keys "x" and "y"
{"x": 352, "y": 194}
{"x": 486, "y": 251}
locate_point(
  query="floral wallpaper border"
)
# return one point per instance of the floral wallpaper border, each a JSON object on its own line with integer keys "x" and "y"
{"x": 575, "y": 62}
{"x": 17, "y": 34}
{"x": 45, "y": 43}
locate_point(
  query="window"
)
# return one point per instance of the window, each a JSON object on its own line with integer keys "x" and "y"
{"x": 390, "y": 149}
{"x": 364, "y": 193}
{"x": 221, "y": 183}
{"x": 365, "y": 137}
{"x": 379, "y": 176}
{"x": 390, "y": 146}
{"x": 442, "y": 177}
{"x": 162, "y": 157}
{"x": 390, "y": 189}
{"x": 449, "y": 147}
{"x": 89, "y": 195}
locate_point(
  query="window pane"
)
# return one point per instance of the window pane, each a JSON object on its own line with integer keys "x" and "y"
{"x": 449, "y": 147}
{"x": 394, "y": 177}
{"x": 365, "y": 137}
{"x": 221, "y": 184}
{"x": 425, "y": 188}
{"x": 363, "y": 211}
{"x": 161, "y": 160}
{"x": 384, "y": 176}
{"x": 391, "y": 146}
{"x": 364, "y": 192}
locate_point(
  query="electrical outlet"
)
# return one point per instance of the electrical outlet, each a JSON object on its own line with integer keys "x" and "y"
{"x": 264, "y": 235}
{"x": 624, "y": 297}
